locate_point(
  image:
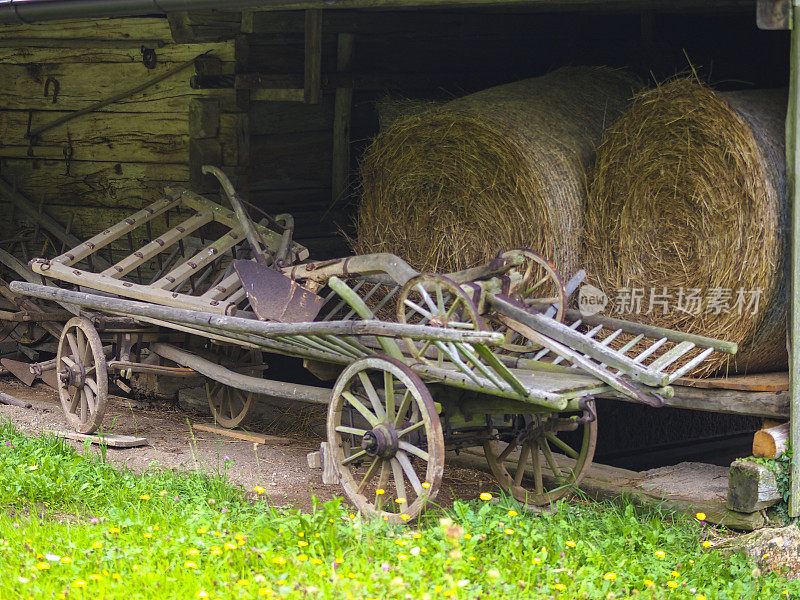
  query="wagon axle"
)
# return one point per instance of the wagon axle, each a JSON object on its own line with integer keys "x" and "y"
{"x": 381, "y": 441}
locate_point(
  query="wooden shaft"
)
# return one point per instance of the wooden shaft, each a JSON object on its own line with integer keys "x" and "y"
{"x": 10, "y": 400}
{"x": 793, "y": 189}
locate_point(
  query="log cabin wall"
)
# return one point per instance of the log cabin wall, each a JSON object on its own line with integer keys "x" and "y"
{"x": 97, "y": 168}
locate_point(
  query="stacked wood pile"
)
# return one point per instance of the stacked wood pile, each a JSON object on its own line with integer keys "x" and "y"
{"x": 98, "y": 168}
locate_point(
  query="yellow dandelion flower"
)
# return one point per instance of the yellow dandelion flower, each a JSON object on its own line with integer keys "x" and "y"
{"x": 610, "y": 576}
{"x": 259, "y": 490}
{"x": 485, "y": 496}
{"x": 193, "y": 552}
{"x": 238, "y": 537}
{"x": 302, "y": 558}
{"x": 135, "y": 567}
{"x": 472, "y": 558}
{"x": 302, "y": 543}
{"x": 701, "y": 516}
{"x": 706, "y": 544}
{"x": 114, "y": 530}
{"x": 116, "y": 576}
{"x": 560, "y": 587}
{"x": 98, "y": 544}
{"x": 536, "y": 560}
{"x": 156, "y": 528}
{"x": 351, "y": 516}
{"x": 649, "y": 583}
{"x": 202, "y": 594}
{"x": 95, "y": 577}
{"x": 201, "y": 531}
{"x": 216, "y": 550}
{"x": 148, "y": 535}
{"x": 672, "y": 584}
{"x": 675, "y": 574}
{"x": 144, "y": 497}
{"x": 243, "y": 582}
{"x": 570, "y": 544}
{"x": 316, "y": 561}
{"x": 79, "y": 583}
{"x": 512, "y": 513}
{"x": 380, "y": 492}
{"x": 230, "y": 546}
{"x": 467, "y": 536}
{"x": 265, "y": 592}
{"x": 66, "y": 560}
{"x": 425, "y": 485}
{"x": 405, "y": 517}
{"x": 43, "y": 566}
{"x": 509, "y": 532}
{"x": 402, "y": 557}
{"x": 278, "y": 560}
{"x": 33, "y": 468}
{"x": 190, "y": 565}
{"x": 400, "y": 500}
{"x": 700, "y": 597}
{"x": 660, "y": 554}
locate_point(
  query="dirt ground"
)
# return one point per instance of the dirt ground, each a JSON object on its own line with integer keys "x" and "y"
{"x": 172, "y": 443}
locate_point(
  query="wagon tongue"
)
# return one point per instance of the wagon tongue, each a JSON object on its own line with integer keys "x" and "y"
{"x": 274, "y": 296}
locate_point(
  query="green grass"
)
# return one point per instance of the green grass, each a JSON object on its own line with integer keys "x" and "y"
{"x": 73, "y": 526}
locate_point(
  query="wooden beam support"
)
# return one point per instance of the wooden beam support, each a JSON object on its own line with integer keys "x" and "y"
{"x": 793, "y": 189}
{"x": 342, "y": 113}
{"x": 313, "y": 57}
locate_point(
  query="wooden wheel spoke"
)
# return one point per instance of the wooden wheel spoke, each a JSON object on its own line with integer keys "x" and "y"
{"x": 73, "y": 405}
{"x": 84, "y": 405}
{"x": 523, "y": 460}
{"x": 90, "y": 399}
{"x": 352, "y": 430}
{"x": 508, "y": 450}
{"x": 73, "y": 346}
{"x": 410, "y": 429}
{"x": 428, "y": 300}
{"x": 68, "y": 361}
{"x": 399, "y": 484}
{"x": 359, "y": 406}
{"x": 408, "y": 469}
{"x": 373, "y": 468}
{"x": 354, "y": 457}
{"x": 417, "y": 308}
{"x": 562, "y": 445}
{"x": 412, "y": 449}
{"x": 383, "y": 478}
{"x": 537, "y": 469}
{"x": 388, "y": 393}
{"x": 401, "y": 411}
{"x": 372, "y": 394}
{"x": 551, "y": 462}
{"x": 92, "y": 385}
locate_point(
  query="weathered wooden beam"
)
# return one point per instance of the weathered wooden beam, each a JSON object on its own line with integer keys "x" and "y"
{"x": 751, "y": 487}
{"x": 793, "y": 190}
{"x": 256, "y": 438}
{"x": 342, "y": 116}
{"x": 771, "y": 442}
{"x": 204, "y": 118}
{"x": 313, "y": 57}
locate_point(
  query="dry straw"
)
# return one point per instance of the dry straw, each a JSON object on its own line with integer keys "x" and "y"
{"x": 688, "y": 193}
{"x": 503, "y": 168}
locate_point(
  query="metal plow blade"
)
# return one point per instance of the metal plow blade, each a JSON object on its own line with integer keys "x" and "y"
{"x": 274, "y": 296}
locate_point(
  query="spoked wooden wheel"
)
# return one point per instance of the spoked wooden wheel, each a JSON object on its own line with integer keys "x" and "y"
{"x": 535, "y": 283}
{"x": 82, "y": 375}
{"x": 231, "y": 407}
{"x": 385, "y": 438}
{"x": 437, "y": 301}
{"x": 541, "y": 458}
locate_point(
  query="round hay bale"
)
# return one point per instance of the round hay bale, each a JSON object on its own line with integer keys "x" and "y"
{"x": 688, "y": 201}
{"x": 503, "y": 168}
{"x": 391, "y": 109}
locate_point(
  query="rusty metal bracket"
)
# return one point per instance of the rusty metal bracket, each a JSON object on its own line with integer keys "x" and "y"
{"x": 774, "y": 14}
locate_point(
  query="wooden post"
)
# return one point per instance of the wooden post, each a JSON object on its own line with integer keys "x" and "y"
{"x": 312, "y": 93}
{"x": 341, "y": 120}
{"x": 793, "y": 187}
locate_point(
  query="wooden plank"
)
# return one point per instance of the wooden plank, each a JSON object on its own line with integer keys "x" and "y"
{"x": 234, "y": 136}
{"x": 94, "y": 29}
{"x": 126, "y": 137}
{"x": 204, "y": 118}
{"x": 256, "y": 438}
{"x": 81, "y": 85}
{"x": 278, "y": 95}
{"x": 340, "y": 181}
{"x": 111, "y": 440}
{"x": 762, "y": 382}
{"x": 313, "y": 57}
{"x": 793, "y": 191}
{"x": 29, "y": 51}
{"x": 96, "y": 184}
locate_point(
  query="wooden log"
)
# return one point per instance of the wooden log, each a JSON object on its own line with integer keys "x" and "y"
{"x": 11, "y": 401}
{"x": 340, "y": 183}
{"x": 313, "y": 57}
{"x": 771, "y": 442}
{"x": 29, "y": 51}
{"x": 204, "y": 116}
{"x": 94, "y": 29}
{"x": 111, "y": 440}
{"x": 135, "y": 137}
{"x": 81, "y": 85}
{"x": 751, "y": 487}
{"x": 256, "y": 438}
{"x": 204, "y": 25}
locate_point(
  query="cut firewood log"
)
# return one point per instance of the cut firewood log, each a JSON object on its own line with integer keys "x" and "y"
{"x": 771, "y": 442}
{"x": 751, "y": 486}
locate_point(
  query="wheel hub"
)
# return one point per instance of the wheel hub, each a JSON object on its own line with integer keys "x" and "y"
{"x": 74, "y": 376}
{"x": 380, "y": 441}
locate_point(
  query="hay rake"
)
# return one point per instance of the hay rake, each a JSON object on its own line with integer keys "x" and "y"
{"x": 423, "y": 362}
